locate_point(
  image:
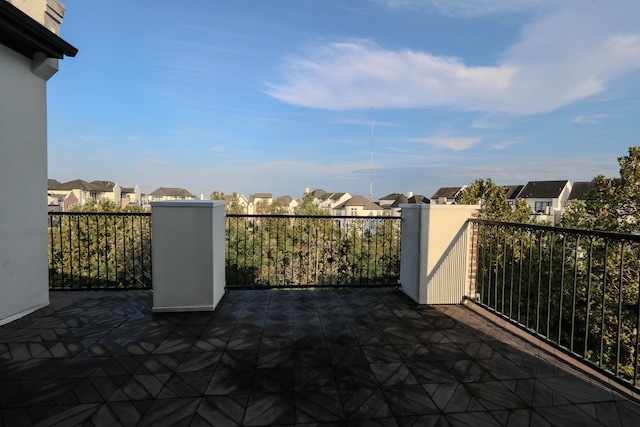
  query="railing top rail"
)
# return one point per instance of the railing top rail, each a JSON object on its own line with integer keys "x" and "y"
{"x": 100, "y": 213}
{"x": 554, "y": 229}
{"x": 395, "y": 218}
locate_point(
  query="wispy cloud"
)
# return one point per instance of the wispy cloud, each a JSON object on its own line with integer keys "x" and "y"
{"x": 503, "y": 145}
{"x": 569, "y": 54}
{"x": 466, "y": 8}
{"x": 591, "y": 119}
{"x": 92, "y": 138}
{"x": 451, "y": 143}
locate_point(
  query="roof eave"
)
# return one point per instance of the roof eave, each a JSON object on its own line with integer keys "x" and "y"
{"x": 21, "y": 33}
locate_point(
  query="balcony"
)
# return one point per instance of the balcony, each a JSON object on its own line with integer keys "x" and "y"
{"x": 367, "y": 355}
{"x": 303, "y": 357}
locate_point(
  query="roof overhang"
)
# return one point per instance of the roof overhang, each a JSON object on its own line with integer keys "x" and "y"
{"x": 21, "y": 33}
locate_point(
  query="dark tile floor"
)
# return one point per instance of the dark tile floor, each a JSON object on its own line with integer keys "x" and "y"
{"x": 323, "y": 357}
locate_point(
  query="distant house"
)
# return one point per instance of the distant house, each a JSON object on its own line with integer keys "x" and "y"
{"x": 131, "y": 196}
{"x": 511, "y": 193}
{"x": 329, "y": 201}
{"x": 287, "y": 203}
{"x": 91, "y": 192}
{"x": 392, "y": 202}
{"x": 546, "y": 198}
{"x": 358, "y": 206}
{"x": 580, "y": 189}
{"x": 417, "y": 199}
{"x": 255, "y": 200}
{"x": 240, "y": 199}
{"x": 446, "y": 195}
{"x": 168, "y": 193}
{"x": 61, "y": 203}
{"x": 394, "y": 208}
{"x": 83, "y": 191}
{"x": 390, "y": 199}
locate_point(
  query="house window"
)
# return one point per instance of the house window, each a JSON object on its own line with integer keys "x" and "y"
{"x": 541, "y": 207}
{"x": 354, "y": 211}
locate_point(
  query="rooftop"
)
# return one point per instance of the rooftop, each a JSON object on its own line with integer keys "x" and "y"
{"x": 358, "y": 356}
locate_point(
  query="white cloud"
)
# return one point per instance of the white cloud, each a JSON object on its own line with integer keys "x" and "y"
{"x": 451, "y": 143}
{"x": 466, "y": 8}
{"x": 565, "y": 56}
{"x": 90, "y": 138}
{"x": 592, "y": 119}
{"x": 503, "y": 145}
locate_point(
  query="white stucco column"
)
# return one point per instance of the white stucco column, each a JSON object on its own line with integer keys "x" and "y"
{"x": 434, "y": 268}
{"x": 24, "y": 284}
{"x": 187, "y": 245}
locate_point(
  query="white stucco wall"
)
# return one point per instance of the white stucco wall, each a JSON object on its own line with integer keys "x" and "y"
{"x": 23, "y": 184}
{"x": 188, "y": 255}
{"x": 434, "y": 268}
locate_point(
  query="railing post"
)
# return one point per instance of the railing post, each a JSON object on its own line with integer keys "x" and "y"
{"x": 188, "y": 255}
{"x": 434, "y": 265}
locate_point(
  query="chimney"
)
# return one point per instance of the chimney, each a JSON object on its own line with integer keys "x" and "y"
{"x": 409, "y": 194}
{"x": 48, "y": 13}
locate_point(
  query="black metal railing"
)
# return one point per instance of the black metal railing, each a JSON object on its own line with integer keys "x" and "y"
{"x": 104, "y": 250}
{"x": 312, "y": 251}
{"x": 99, "y": 250}
{"x": 577, "y": 289}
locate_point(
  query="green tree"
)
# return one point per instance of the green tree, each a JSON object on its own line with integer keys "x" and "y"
{"x": 217, "y": 195}
{"x": 614, "y": 203}
{"x": 89, "y": 250}
{"x": 493, "y": 202}
{"x": 235, "y": 206}
{"x": 309, "y": 206}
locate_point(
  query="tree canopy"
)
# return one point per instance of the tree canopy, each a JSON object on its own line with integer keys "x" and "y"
{"x": 493, "y": 202}
{"x": 614, "y": 203}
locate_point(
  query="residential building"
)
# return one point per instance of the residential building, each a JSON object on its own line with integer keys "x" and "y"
{"x": 547, "y": 199}
{"x": 579, "y": 190}
{"x": 287, "y": 203}
{"x": 30, "y": 49}
{"x": 162, "y": 194}
{"x": 131, "y": 196}
{"x": 328, "y": 201}
{"x": 358, "y": 206}
{"x": 390, "y": 199}
{"x": 258, "y": 202}
{"x": 83, "y": 191}
{"x": 92, "y": 192}
{"x": 446, "y": 195}
{"x": 240, "y": 199}
{"x": 511, "y": 193}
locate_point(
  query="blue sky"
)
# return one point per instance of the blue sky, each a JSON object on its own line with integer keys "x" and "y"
{"x": 275, "y": 96}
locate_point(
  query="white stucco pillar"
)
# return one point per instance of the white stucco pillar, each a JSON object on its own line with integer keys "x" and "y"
{"x": 24, "y": 284}
{"x": 434, "y": 268}
{"x": 187, "y": 241}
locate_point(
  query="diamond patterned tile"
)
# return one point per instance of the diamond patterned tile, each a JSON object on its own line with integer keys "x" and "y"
{"x": 318, "y": 407}
{"x": 269, "y": 409}
{"x": 223, "y": 410}
{"x": 340, "y": 357}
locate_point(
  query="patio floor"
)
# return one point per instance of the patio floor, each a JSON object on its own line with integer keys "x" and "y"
{"x": 305, "y": 357}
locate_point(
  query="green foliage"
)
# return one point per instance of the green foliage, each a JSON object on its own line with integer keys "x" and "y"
{"x": 309, "y": 206}
{"x": 493, "y": 202}
{"x": 88, "y": 250}
{"x": 235, "y": 206}
{"x": 292, "y": 251}
{"x": 572, "y": 288}
{"x": 614, "y": 203}
{"x": 576, "y": 288}
{"x": 217, "y": 195}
